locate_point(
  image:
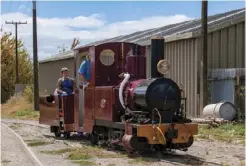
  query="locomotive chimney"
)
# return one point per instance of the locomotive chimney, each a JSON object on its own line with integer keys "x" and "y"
{"x": 157, "y": 53}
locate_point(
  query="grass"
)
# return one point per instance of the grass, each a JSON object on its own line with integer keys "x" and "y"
{"x": 19, "y": 107}
{"x": 15, "y": 126}
{"x": 137, "y": 160}
{"x": 141, "y": 159}
{"x": 85, "y": 154}
{"x": 27, "y": 114}
{"x": 60, "y": 151}
{"x": 83, "y": 162}
{"x": 37, "y": 143}
{"x": 242, "y": 163}
{"x": 226, "y": 132}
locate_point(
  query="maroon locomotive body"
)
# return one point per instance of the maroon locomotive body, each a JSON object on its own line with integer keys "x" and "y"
{"x": 121, "y": 107}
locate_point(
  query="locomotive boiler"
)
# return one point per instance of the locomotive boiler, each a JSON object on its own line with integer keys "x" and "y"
{"x": 121, "y": 107}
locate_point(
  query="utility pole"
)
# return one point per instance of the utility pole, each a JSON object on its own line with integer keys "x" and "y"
{"x": 35, "y": 58}
{"x": 16, "y": 47}
{"x": 204, "y": 58}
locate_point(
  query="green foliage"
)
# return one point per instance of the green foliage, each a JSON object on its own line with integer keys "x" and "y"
{"x": 241, "y": 104}
{"x": 227, "y": 132}
{"x": 27, "y": 113}
{"x": 38, "y": 143}
{"x": 242, "y": 91}
{"x": 28, "y": 93}
{"x": 8, "y": 66}
{"x": 84, "y": 155}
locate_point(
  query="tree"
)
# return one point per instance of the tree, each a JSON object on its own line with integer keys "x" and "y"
{"x": 75, "y": 43}
{"x": 8, "y": 66}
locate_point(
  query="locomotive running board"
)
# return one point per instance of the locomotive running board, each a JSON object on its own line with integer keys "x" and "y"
{"x": 116, "y": 125}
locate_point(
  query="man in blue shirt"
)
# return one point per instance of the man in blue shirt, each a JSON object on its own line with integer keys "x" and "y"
{"x": 85, "y": 77}
{"x": 85, "y": 72}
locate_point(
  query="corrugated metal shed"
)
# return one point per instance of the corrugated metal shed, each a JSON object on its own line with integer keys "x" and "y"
{"x": 214, "y": 22}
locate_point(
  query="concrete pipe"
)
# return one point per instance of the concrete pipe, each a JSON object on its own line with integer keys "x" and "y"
{"x": 225, "y": 110}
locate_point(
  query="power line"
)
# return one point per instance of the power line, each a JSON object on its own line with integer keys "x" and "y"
{"x": 16, "y": 45}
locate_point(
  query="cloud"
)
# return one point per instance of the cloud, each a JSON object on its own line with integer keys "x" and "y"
{"x": 54, "y": 32}
{"x": 24, "y": 9}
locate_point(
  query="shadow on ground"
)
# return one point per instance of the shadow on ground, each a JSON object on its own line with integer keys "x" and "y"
{"x": 173, "y": 158}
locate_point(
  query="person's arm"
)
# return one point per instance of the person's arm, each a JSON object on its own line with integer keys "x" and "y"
{"x": 58, "y": 86}
{"x": 74, "y": 85}
{"x": 82, "y": 78}
{"x": 82, "y": 72}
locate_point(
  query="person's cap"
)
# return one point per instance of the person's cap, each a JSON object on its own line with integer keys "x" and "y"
{"x": 64, "y": 69}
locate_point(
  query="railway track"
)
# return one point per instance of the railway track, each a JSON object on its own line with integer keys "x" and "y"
{"x": 17, "y": 150}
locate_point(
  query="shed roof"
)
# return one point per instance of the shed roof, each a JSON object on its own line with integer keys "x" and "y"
{"x": 192, "y": 27}
{"x": 61, "y": 56}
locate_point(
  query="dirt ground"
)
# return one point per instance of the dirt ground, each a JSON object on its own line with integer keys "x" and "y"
{"x": 202, "y": 152}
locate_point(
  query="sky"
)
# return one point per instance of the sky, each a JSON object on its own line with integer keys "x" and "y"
{"x": 60, "y": 21}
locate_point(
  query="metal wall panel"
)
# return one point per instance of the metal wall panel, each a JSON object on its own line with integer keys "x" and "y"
{"x": 183, "y": 59}
{"x": 226, "y": 49}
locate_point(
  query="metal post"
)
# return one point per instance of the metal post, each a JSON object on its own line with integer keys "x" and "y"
{"x": 16, "y": 54}
{"x": 204, "y": 59}
{"x": 35, "y": 59}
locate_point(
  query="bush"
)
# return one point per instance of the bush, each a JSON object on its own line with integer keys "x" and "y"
{"x": 8, "y": 66}
{"x": 28, "y": 93}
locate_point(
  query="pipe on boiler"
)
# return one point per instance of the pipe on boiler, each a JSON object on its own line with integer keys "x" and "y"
{"x": 122, "y": 85}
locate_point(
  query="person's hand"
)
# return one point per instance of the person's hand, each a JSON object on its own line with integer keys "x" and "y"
{"x": 86, "y": 85}
{"x": 64, "y": 92}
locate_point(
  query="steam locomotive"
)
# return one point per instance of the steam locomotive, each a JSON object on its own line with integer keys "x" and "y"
{"x": 121, "y": 107}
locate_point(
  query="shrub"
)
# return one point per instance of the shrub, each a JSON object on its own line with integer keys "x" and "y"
{"x": 28, "y": 93}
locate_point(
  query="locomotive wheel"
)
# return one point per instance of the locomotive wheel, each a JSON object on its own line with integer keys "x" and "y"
{"x": 58, "y": 132}
{"x": 66, "y": 135}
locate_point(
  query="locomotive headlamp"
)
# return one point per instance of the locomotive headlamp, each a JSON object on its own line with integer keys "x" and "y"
{"x": 163, "y": 66}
